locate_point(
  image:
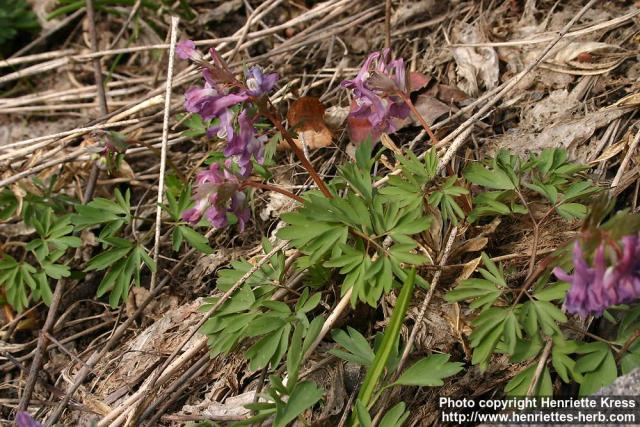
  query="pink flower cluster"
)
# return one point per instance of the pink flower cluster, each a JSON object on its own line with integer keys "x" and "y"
{"x": 613, "y": 279}
{"x": 218, "y": 190}
{"x": 375, "y": 89}
{"x": 217, "y": 193}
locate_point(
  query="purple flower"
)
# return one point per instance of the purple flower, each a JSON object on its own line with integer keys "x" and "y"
{"x": 223, "y": 130}
{"x": 23, "y": 419}
{"x": 217, "y": 193}
{"x": 610, "y": 281}
{"x": 375, "y": 89}
{"x": 244, "y": 144}
{"x": 258, "y": 83}
{"x": 210, "y": 101}
{"x": 186, "y": 49}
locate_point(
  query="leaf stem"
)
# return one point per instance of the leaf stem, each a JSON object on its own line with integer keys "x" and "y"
{"x": 416, "y": 113}
{"x": 298, "y": 152}
{"x": 270, "y": 187}
{"x": 633, "y": 338}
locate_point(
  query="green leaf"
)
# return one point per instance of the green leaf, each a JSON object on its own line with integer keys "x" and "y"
{"x": 629, "y": 362}
{"x": 579, "y": 190}
{"x": 429, "y": 371}
{"x": 304, "y": 396}
{"x": 548, "y": 316}
{"x": 262, "y": 351}
{"x": 520, "y": 384}
{"x": 572, "y": 210}
{"x": 195, "y": 239}
{"x": 562, "y": 363}
{"x": 597, "y": 365}
{"x": 395, "y": 417}
{"x": 362, "y": 413}
{"x": 482, "y": 292}
{"x": 488, "y": 328}
{"x": 107, "y": 258}
{"x": 56, "y": 271}
{"x": 312, "y": 333}
{"x": 495, "y": 178}
{"x": 195, "y": 125}
{"x": 8, "y": 204}
{"x": 294, "y": 356}
{"x": 556, "y": 291}
{"x": 311, "y": 303}
{"x": 358, "y": 349}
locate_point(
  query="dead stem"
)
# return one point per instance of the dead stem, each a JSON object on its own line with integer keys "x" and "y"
{"x": 627, "y": 344}
{"x": 418, "y": 116}
{"x": 387, "y": 24}
{"x": 299, "y": 154}
{"x": 275, "y": 188}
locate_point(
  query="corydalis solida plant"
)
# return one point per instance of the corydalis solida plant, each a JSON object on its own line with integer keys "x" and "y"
{"x": 381, "y": 98}
{"x": 235, "y": 105}
{"x": 217, "y": 193}
{"x": 613, "y": 279}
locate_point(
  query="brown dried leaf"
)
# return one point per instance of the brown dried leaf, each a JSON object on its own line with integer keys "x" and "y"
{"x": 388, "y": 142}
{"x": 574, "y": 50}
{"x": 469, "y": 268}
{"x": 632, "y": 100}
{"x": 450, "y": 94}
{"x": 306, "y": 115}
{"x": 430, "y": 108}
{"x": 418, "y": 81}
{"x": 472, "y": 245}
{"x": 475, "y": 65}
{"x": 335, "y": 116}
{"x": 612, "y": 151}
{"x": 125, "y": 171}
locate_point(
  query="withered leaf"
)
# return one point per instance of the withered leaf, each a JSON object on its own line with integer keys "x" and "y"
{"x": 306, "y": 116}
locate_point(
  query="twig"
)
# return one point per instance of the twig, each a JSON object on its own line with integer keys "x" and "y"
{"x": 387, "y": 24}
{"x": 627, "y": 344}
{"x": 275, "y": 188}
{"x": 349, "y": 404}
{"x": 536, "y": 233}
{"x": 427, "y": 299}
{"x": 102, "y": 98}
{"x": 541, "y": 38}
{"x": 63, "y": 348}
{"x": 261, "y": 380}
{"x": 418, "y": 322}
{"x": 331, "y": 320}
{"x": 133, "y": 12}
{"x": 47, "y": 33}
{"x": 625, "y": 162}
{"x": 88, "y": 194}
{"x": 118, "y": 333}
{"x": 421, "y": 120}
{"x": 453, "y": 148}
{"x": 171, "y": 363}
{"x": 97, "y": 68}
{"x": 173, "y": 392}
{"x": 42, "y": 344}
{"x": 17, "y": 60}
{"x": 223, "y": 299}
{"x": 165, "y": 136}
{"x": 75, "y": 132}
{"x": 245, "y": 30}
{"x": 299, "y": 154}
{"x": 540, "y": 368}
